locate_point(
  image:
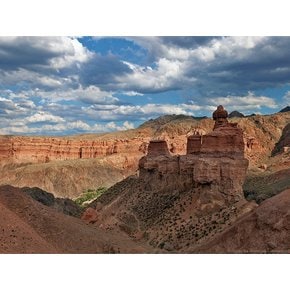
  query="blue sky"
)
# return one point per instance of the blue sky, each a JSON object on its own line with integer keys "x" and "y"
{"x": 69, "y": 85}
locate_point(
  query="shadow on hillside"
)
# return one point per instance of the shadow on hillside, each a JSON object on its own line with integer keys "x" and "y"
{"x": 282, "y": 141}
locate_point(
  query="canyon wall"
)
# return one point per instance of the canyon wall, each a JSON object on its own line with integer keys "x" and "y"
{"x": 260, "y": 134}
{"x": 46, "y": 149}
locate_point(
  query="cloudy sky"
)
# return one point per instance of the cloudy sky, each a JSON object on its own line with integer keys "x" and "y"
{"x": 69, "y": 85}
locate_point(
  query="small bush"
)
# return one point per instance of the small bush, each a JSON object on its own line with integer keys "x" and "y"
{"x": 89, "y": 196}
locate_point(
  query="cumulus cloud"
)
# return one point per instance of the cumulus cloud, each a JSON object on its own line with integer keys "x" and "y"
{"x": 238, "y": 64}
{"x": 56, "y": 84}
{"x": 213, "y": 66}
{"x": 36, "y": 52}
{"x": 88, "y": 95}
{"x": 10, "y": 109}
{"x": 44, "y": 117}
{"x": 166, "y": 76}
{"x": 247, "y": 103}
{"x": 41, "y": 62}
{"x": 112, "y": 126}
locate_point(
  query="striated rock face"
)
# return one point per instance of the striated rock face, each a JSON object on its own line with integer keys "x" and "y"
{"x": 46, "y": 149}
{"x": 67, "y": 166}
{"x": 213, "y": 174}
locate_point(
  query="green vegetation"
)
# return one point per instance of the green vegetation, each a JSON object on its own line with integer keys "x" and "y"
{"x": 89, "y": 196}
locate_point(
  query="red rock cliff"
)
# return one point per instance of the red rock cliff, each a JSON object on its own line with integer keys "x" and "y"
{"x": 45, "y": 149}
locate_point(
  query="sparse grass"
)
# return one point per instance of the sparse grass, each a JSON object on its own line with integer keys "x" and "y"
{"x": 89, "y": 196}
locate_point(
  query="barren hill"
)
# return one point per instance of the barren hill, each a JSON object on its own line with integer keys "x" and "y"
{"x": 27, "y": 226}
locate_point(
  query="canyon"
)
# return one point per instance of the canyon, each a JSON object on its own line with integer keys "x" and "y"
{"x": 176, "y": 185}
{"x": 91, "y": 161}
{"x": 177, "y": 201}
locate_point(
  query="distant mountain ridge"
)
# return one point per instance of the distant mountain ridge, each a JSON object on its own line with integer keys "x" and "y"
{"x": 286, "y": 109}
{"x": 237, "y": 114}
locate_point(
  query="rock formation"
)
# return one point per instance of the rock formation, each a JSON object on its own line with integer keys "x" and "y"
{"x": 180, "y": 199}
{"x": 214, "y": 161}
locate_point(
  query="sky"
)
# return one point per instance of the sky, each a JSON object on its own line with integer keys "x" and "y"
{"x": 74, "y": 85}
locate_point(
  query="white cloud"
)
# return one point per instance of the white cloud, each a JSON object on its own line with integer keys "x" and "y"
{"x": 178, "y": 67}
{"x": 21, "y": 127}
{"x": 91, "y": 95}
{"x": 224, "y": 46}
{"x": 227, "y": 47}
{"x": 132, "y": 93}
{"x": 44, "y": 117}
{"x": 24, "y": 77}
{"x": 56, "y": 52}
{"x": 167, "y": 75}
{"x": 112, "y": 126}
{"x": 244, "y": 103}
{"x": 71, "y": 49}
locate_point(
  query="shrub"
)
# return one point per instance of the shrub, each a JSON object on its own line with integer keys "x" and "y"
{"x": 89, "y": 195}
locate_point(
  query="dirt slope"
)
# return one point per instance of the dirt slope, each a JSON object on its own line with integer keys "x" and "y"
{"x": 29, "y": 227}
